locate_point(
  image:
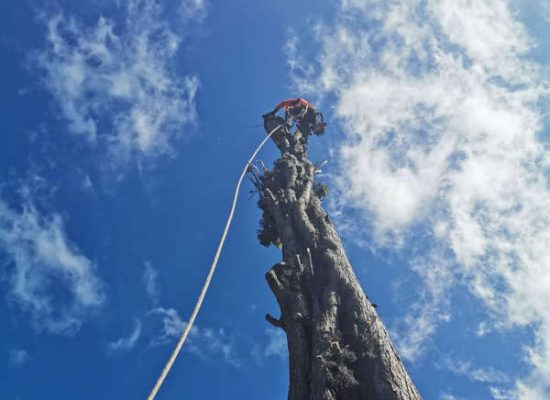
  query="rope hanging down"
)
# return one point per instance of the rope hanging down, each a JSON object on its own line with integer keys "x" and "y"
{"x": 189, "y": 325}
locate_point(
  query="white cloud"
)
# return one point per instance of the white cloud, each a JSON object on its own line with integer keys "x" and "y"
{"x": 18, "y": 357}
{"x": 448, "y": 396}
{"x": 545, "y": 8}
{"x": 193, "y": 10}
{"x": 206, "y": 343}
{"x": 87, "y": 184}
{"x": 150, "y": 279}
{"x": 442, "y": 111}
{"x": 503, "y": 37}
{"x": 49, "y": 276}
{"x": 499, "y": 394}
{"x": 115, "y": 83}
{"x": 215, "y": 343}
{"x": 126, "y": 343}
{"x": 468, "y": 370}
{"x": 430, "y": 308}
{"x": 172, "y": 325}
{"x": 277, "y": 345}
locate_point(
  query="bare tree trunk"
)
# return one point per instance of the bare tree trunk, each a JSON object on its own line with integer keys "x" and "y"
{"x": 338, "y": 347}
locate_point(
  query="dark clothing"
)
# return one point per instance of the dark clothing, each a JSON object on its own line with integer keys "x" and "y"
{"x": 307, "y": 122}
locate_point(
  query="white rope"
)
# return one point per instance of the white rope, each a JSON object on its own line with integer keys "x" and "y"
{"x": 189, "y": 325}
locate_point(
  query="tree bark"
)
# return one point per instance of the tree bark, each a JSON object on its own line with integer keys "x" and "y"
{"x": 338, "y": 346}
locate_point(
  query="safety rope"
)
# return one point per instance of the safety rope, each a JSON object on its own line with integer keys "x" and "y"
{"x": 189, "y": 325}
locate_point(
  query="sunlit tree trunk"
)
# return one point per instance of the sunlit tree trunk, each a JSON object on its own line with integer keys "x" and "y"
{"x": 338, "y": 347}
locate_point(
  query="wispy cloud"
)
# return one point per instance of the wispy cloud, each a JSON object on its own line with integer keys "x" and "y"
{"x": 150, "y": 279}
{"x": 18, "y": 357}
{"x": 277, "y": 345}
{"x": 448, "y": 396}
{"x": 206, "y": 343}
{"x": 546, "y": 11}
{"x": 126, "y": 343}
{"x": 468, "y": 370}
{"x": 193, "y": 10}
{"x": 442, "y": 111}
{"x": 412, "y": 332}
{"x": 215, "y": 343}
{"x": 115, "y": 83}
{"x": 49, "y": 276}
{"x": 172, "y": 326}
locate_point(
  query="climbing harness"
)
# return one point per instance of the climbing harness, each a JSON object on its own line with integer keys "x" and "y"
{"x": 189, "y": 325}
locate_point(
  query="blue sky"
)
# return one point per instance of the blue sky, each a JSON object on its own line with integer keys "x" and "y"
{"x": 125, "y": 127}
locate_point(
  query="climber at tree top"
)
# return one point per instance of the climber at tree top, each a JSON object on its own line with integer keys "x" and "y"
{"x": 308, "y": 119}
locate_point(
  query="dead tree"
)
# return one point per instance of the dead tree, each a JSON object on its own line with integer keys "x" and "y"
{"x": 338, "y": 347}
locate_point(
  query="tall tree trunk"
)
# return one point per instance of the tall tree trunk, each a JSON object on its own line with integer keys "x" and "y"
{"x": 338, "y": 347}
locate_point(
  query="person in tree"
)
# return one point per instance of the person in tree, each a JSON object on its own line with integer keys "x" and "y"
{"x": 308, "y": 120}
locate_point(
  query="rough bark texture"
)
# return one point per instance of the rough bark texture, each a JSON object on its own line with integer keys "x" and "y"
{"x": 338, "y": 347}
